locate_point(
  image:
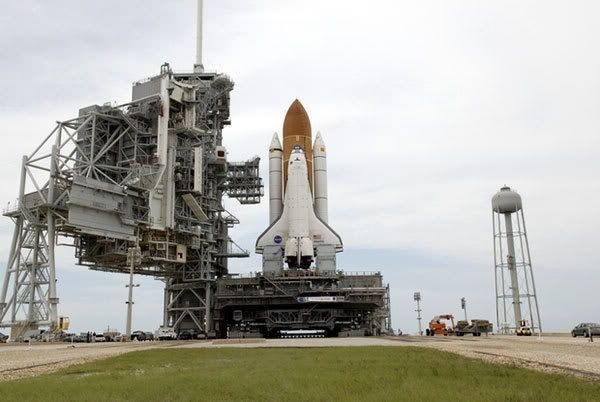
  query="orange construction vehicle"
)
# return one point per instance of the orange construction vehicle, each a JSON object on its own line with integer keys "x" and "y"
{"x": 437, "y": 326}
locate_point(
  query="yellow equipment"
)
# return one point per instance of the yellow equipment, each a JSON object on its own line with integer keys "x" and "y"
{"x": 62, "y": 325}
{"x": 524, "y": 328}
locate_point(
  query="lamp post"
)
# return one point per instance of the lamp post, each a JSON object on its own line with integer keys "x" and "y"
{"x": 134, "y": 257}
{"x": 417, "y": 298}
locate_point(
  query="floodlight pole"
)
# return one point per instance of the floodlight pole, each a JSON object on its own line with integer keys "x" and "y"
{"x": 134, "y": 256}
{"x": 419, "y": 318}
{"x": 417, "y": 298}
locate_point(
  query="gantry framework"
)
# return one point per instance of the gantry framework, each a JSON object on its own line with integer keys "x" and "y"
{"x": 516, "y": 296}
{"x": 336, "y": 303}
{"x": 152, "y": 171}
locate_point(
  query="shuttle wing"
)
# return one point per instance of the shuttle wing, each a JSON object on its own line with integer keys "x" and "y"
{"x": 323, "y": 234}
{"x": 276, "y": 234}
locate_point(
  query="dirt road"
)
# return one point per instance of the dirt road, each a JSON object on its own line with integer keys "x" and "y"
{"x": 18, "y": 361}
{"x": 561, "y": 354}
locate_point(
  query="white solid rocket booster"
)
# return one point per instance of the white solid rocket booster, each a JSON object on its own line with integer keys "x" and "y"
{"x": 320, "y": 178}
{"x": 275, "y": 179}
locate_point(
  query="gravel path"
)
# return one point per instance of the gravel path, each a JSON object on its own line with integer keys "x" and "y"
{"x": 575, "y": 356}
{"x": 19, "y": 361}
{"x": 550, "y": 354}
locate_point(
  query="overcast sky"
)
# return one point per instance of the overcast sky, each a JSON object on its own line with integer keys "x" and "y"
{"x": 427, "y": 109}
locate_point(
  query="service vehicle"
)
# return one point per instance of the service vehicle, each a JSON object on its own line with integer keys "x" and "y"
{"x": 438, "y": 326}
{"x": 138, "y": 336}
{"x": 524, "y": 329}
{"x": 585, "y": 328}
{"x": 67, "y": 337}
{"x": 187, "y": 334}
{"x": 111, "y": 335}
{"x": 165, "y": 334}
{"x": 476, "y": 327}
{"x": 120, "y": 338}
{"x": 81, "y": 338}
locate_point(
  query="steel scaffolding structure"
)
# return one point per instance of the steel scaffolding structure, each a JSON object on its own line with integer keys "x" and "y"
{"x": 516, "y": 296}
{"x": 138, "y": 188}
{"x": 337, "y": 303}
{"x": 153, "y": 169}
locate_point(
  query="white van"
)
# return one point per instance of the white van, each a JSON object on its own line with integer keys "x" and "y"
{"x": 165, "y": 334}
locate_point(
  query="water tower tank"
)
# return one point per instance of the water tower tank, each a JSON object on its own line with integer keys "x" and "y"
{"x": 506, "y": 201}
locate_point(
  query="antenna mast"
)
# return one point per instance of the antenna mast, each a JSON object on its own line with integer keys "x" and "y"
{"x": 198, "y": 67}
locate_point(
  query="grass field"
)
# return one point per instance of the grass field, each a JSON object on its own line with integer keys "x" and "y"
{"x": 297, "y": 374}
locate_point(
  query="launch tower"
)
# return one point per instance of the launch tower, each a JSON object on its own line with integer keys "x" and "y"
{"x": 151, "y": 172}
{"x": 146, "y": 179}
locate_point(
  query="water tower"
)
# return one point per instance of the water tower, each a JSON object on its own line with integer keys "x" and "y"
{"x": 516, "y": 300}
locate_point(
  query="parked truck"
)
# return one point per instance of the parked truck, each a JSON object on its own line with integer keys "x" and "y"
{"x": 475, "y": 327}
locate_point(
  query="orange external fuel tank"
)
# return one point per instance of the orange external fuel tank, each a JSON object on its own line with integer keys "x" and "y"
{"x": 297, "y": 131}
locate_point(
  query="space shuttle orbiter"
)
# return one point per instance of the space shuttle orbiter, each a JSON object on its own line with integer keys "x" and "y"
{"x": 298, "y": 231}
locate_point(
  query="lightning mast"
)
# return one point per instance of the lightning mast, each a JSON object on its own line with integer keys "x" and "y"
{"x": 199, "y": 67}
